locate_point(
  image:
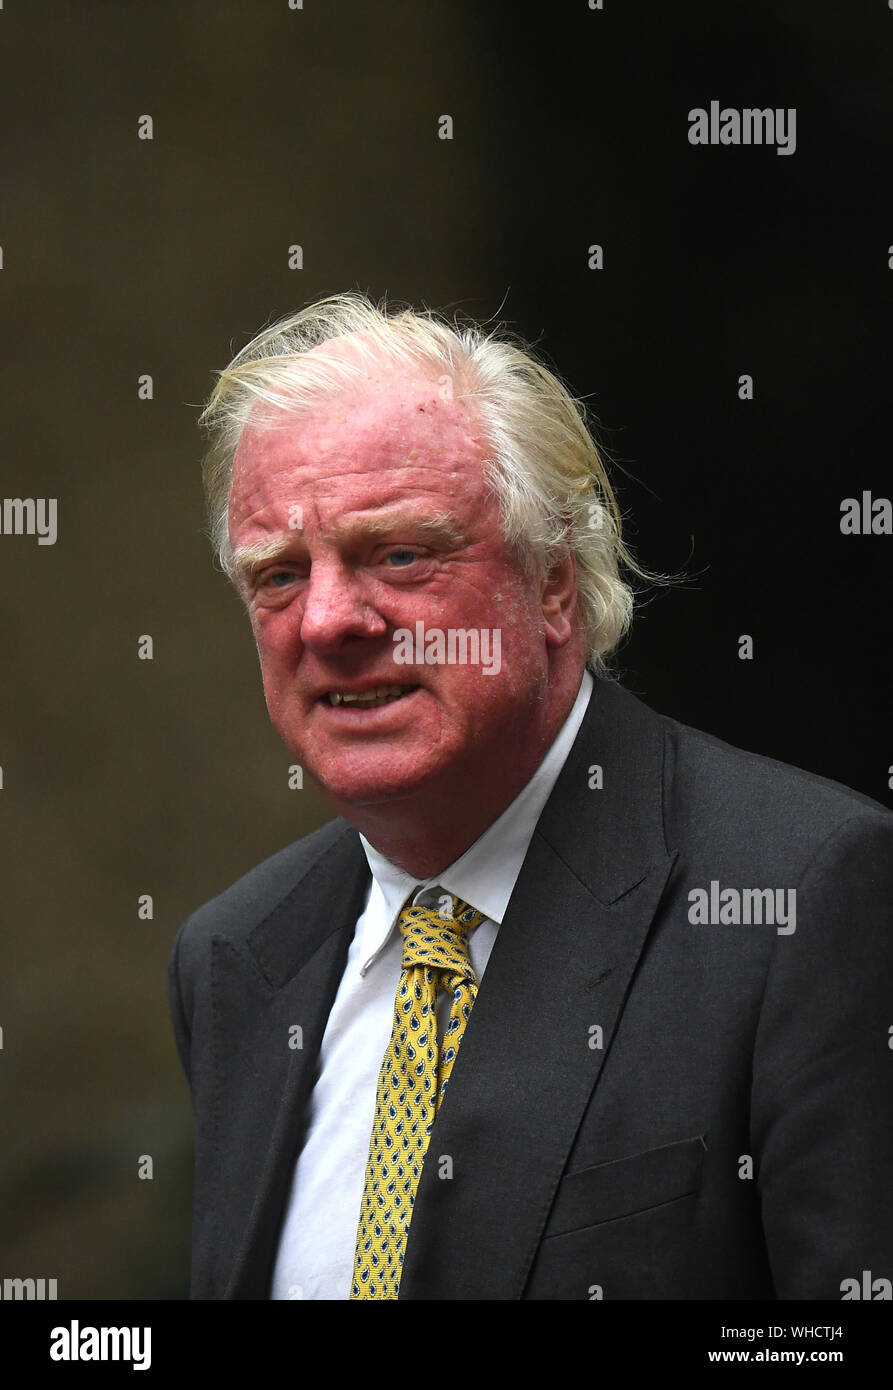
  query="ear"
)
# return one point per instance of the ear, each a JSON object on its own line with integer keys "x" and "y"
{"x": 558, "y": 599}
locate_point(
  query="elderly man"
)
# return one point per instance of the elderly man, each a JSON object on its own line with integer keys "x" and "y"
{"x": 570, "y": 1001}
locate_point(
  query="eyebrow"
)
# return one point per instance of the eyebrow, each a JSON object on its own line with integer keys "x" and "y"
{"x": 247, "y": 559}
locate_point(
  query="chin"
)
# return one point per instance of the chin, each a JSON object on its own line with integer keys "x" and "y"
{"x": 377, "y": 785}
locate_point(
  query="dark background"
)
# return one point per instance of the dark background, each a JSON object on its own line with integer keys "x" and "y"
{"x": 319, "y": 127}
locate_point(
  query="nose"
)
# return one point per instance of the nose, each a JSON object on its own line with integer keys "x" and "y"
{"x": 335, "y": 609}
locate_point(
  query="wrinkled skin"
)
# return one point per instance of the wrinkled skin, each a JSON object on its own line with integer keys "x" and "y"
{"x": 421, "y": 777}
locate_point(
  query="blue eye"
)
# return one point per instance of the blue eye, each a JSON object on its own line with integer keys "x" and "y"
{"x": 285, "y": 575}
{"x": 398, "y": 555}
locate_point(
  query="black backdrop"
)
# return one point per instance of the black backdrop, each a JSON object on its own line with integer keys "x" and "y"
{"x": 318, "y": 127}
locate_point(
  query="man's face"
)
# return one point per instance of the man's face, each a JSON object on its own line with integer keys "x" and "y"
{"x": 364, "y": 518}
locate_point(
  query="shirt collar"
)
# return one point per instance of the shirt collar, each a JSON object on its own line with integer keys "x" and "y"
{"x": 486, "y": 873}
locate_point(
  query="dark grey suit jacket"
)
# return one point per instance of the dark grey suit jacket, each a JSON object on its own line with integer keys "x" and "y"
{"x": 581, "y": 1170}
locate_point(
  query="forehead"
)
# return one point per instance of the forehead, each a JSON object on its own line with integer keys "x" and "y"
{"x": 388, "y": 419}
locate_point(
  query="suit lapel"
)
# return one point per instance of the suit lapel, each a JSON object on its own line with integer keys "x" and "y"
{"x": 562, "y": 964}
{"x": 289, "y": 977}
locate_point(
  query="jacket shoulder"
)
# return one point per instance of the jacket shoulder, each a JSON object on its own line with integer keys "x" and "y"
{"x": 235, "y": 911}
{"x": 733, "y": 793}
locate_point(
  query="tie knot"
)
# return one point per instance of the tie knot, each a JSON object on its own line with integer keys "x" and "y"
{"x": 438, "y": 936}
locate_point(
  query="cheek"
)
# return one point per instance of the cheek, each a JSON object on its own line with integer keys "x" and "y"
{"x": 277, "y": 646}
{"x": 520, "y": 621}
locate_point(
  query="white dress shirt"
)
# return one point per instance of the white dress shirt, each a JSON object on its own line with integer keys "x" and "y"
{"x": 316, "y": 1246}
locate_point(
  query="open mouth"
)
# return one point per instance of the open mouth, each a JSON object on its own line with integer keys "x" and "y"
{"x": 369, "y": 699}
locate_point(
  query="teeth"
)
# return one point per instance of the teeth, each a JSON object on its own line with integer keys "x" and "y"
{"x": 376, "y": 694}
{"x": 369, "y": 699}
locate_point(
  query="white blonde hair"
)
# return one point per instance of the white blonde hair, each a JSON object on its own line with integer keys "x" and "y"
{"x": 545, "y": 469}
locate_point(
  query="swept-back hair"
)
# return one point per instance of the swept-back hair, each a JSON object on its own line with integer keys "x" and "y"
{"x": 544, "y": 467}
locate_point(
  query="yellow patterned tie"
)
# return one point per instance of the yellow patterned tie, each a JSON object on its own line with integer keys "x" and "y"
{"x": 411, "y": 1085}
